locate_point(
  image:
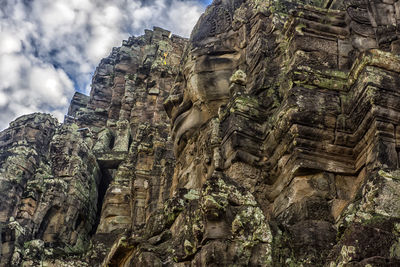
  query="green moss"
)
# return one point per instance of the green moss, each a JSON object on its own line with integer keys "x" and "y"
{"x": 334, "y": 80}
{"x": 394, "y": 175}
{"x": 299, "y": 28}
{"x": 192, "y": 194}
{"x": 395, "y": 250}
{"x": 189, "y": 248}
{"x": 374, "y": 57}
{"x": 374, "y": 219}
{"x": 80, "y": 246}
{"x": 239, "y": 77}
{"x": 347, "y": 253}
{"x": 215, "y": 201}
{"x": 244, "y": 104}
{"x": 132, "y": 76}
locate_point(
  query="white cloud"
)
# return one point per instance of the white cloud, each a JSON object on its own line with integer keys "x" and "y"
{"x": 55, "y": 15}
{"x": 3, "y": 99}
{"x": 32, "y": 86}
{"x": 48, "y": 47}
{"x": 182, "y": 18}
{"x": 9, "y": 43}
{"x": 49, "y": 86}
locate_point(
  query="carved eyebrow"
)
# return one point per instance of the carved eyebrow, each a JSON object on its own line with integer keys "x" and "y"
{"x": 220, "y": 52}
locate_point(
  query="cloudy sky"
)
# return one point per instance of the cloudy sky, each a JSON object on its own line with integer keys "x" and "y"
{"x": 50, "y": 48}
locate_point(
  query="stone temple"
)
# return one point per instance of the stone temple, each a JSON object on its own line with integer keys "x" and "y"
{"x": 271, "y": 137}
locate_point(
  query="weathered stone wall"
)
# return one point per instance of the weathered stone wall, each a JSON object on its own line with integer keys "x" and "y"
{"x": 49, "y": 181}
{"x": 278, "y": 146}
{"x": 132, "y": 145}
{"x": 73, "y": 187}
{"x": 292, "y": 102}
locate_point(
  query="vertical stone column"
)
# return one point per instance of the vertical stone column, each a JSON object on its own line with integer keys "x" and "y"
{"x": 116, "y": 209}
{"x": 123, "y": 135}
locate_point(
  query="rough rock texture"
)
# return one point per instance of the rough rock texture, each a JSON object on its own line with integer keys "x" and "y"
{"x": 49, "y": 181}
{"x": 270, "y": 138}
{"x": 72, "y": 188}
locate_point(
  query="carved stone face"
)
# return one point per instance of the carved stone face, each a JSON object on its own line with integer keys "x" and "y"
{"x": 203, "y": 84}
{"x": 206, "y": 88}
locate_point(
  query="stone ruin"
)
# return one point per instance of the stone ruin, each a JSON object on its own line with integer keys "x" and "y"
{"x": 271, "y": 137}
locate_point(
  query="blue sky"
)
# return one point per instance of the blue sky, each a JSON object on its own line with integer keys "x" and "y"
{"x": 50, "y": 48}
{"x": 206, "y": 2}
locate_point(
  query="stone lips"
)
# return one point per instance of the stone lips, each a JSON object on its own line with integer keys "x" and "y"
{"x": 279, "y": 147}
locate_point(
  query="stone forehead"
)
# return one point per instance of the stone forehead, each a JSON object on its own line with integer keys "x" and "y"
{"x": 217, "y": 19}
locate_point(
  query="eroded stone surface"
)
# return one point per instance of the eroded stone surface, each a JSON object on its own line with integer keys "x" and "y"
{"x": 75, "y": 187}
{"x": 278, "y": 146}
{"x": 49, "y": 178}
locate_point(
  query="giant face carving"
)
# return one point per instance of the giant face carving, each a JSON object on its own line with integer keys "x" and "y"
{"x": 205, "y": 88}
{"x": 203, "y": 84}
